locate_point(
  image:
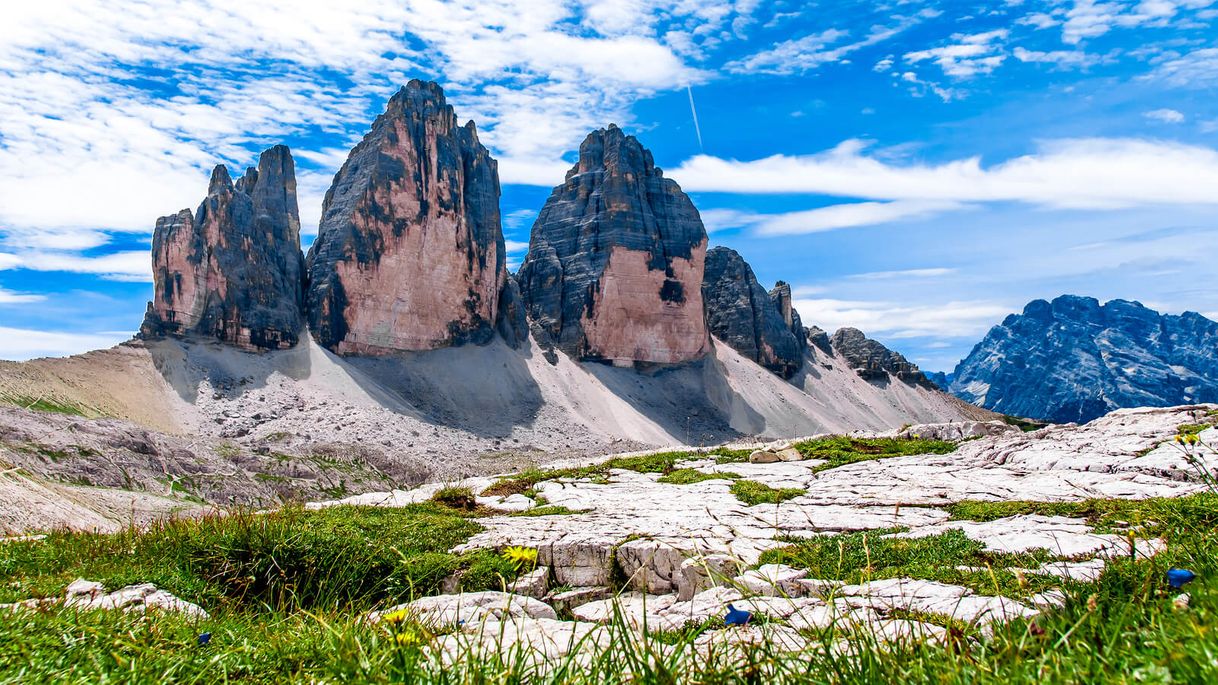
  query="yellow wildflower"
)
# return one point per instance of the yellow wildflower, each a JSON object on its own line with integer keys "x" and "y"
{"x": 411, "y": 636}
{"x": 521, "y": 556}
{"x": 395, "y": 617}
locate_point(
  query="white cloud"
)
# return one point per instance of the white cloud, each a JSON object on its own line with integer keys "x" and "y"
{"x": 722, "y": 219}
{"x": 955, "y": 319}
{"x": 1061, "y": 59}
{"x": 1167, "y": 116}
{"x": 1195, "y": 69}
{"x": 1091, "y": 19}
{"x": 804, "y": 54}
{"x": 515, "y": 246}
{"x": 1039, "y": 20}
{"x": 852, "y": 215}
{"x": 1075, "y": 173}
{"x": 521, "y": 218}
{"x": 126, "y": 266}
{"x": 19, "y": 344}
{"x": 10, "y": 297}
{"x": 969, "y": 54}
{"x": 933, "y": 272}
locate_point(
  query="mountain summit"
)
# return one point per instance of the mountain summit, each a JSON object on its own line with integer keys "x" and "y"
{"x": 1074, "y": 359}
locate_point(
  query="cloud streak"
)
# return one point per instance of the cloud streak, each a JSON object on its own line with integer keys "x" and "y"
{"x": 1087, "y": 173}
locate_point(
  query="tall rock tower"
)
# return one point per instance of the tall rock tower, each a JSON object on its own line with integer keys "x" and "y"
{"x": 759, "y": 325}
{"x": 410, "y": 252}
{"x": 233, "y": 271}
{"x": 616, "y": 258}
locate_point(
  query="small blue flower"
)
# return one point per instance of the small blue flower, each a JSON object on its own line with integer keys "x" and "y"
{"x": 736, "y": 617}
{"x": 204, "y": 638}
{"x": 1179, "y": 577}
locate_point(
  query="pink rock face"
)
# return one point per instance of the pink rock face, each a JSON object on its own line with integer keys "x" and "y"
{"x": 616, "y": 260}
{"x": 631, "y": 322}
{"x": 410, "y": 254}
{"x": 178, "y": 303}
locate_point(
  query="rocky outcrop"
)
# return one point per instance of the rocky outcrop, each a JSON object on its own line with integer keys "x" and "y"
{"x": 615, "y": 264}
{"x": 233, "y": 270}
{"x": 759, "y": 325}
{"x": 780, "y": 295}
{"x": 874, "y": 362}
{"x": 1074, "y": 359}
{"x": 410, "y": 252}
{"x": 819, "y": 339}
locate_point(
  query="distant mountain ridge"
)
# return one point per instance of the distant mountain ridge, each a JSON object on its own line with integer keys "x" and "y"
{"x": 1074, "y": 359}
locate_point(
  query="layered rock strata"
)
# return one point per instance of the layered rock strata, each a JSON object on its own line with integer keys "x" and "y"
{"x": 615, "y": 264}
{"x": 759, "y": 325}
{"x": 1074, "y": 359}
{"x": 410, "y": 252}
{"x": 874, "y": 362}
{"x": 233, "y": 270}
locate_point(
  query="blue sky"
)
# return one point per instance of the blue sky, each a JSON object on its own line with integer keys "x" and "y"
{"x": 915, "y": 169}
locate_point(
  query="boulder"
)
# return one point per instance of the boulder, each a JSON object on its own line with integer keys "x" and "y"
{"x": 410, "y": 252}
{"x": 232, "y": 271}
{"x": 615, "y": 264}
{"x": 764, "y": 457}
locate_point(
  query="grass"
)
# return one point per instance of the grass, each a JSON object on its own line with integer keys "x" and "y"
{"x": 47, "y": 405}
{"x": 862, "y": 557}
{"x": 1122, "y": 629}
{"x": 837, "y": 450}
{"x": 461, "y": 499}
{"x": 752, "y": 493}
{"x": 662, "y": 462}
{"x": 290, "y": 559}
{"x": 549, "y": 510}
{"x": 841, "y": 450}
{"x": 689, "y": 476}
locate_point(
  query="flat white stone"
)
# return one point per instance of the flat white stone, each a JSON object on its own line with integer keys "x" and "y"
{"x": 469, "y": 607}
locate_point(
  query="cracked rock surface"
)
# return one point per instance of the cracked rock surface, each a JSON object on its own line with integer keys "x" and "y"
{"x": 687, "y": 552}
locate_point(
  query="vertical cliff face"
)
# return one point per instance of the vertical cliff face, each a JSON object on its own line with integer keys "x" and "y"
{"x": 233, "y": 270}
{"x": 615, "y": 264}
{"x": 740, "y": 313}
{"x": 410, "y": 252}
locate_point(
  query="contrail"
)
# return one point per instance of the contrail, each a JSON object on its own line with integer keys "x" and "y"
{"x": 694, "y": 111}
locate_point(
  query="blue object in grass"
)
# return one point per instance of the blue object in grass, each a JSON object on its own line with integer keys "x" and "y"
{"x": 1179, "y": 577}
{"x": 204, "y": 638}
{"x": 736, "y": 617}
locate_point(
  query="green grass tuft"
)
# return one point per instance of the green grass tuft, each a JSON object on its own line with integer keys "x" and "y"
{"x": 861, "y": 557}
{"x": 549, "y": 510}
{"x": 688, "y": 476}
{"x": 751, "y": 493}
{"x": 335, "y": 557}
{"x": 842, "y": 450}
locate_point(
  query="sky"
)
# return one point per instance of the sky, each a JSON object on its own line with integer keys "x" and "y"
{"x": 918, "y": 170}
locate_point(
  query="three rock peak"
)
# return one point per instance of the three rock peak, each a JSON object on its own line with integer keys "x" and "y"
{"x": 410, "y": 256}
